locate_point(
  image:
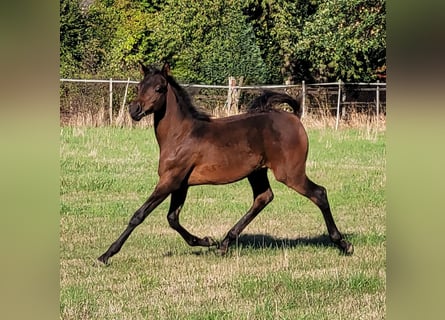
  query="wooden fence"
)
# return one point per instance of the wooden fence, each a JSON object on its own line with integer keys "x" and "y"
{"x": 110, "y": 98}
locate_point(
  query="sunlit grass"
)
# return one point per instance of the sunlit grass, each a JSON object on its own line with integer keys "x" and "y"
{"x": 282, "y": 267}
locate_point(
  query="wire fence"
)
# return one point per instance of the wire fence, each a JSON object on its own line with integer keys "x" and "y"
{"x": 104, "y": 102}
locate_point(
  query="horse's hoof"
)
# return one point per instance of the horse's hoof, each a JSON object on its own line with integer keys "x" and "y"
{"x": 210, "y": 241}
{"x": 103, "y": 259}
{"x": 347, "y": 247}
{"x": 222, "y": 249}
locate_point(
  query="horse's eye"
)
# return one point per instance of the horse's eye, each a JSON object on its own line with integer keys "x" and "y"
{"x": 160, "y": 89}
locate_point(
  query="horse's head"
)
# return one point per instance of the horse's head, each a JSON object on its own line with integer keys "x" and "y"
{"x": 151, "y": 92}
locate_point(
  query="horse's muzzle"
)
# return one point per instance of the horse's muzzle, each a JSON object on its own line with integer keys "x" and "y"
{"x": 136, "y": 112}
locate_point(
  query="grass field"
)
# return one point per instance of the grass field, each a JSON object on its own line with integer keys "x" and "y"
{"x": 282, "y": 267}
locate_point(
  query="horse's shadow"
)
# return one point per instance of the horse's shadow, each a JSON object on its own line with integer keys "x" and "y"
{"x": 265, "y": 241}
{"x": 261, "y": 241}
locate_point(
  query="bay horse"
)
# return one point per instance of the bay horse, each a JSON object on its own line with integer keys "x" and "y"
{"x": 196, "y": 149}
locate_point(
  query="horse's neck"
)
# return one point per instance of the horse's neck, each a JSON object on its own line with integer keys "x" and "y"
{"x": 171, "y": 122}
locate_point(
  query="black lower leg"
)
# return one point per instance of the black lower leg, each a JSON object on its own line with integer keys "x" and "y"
{"x": 117, "y": 245}
{"x": 319, "y": 197}
{"x": 138, "y": 217}
{"x": 177, "y": 200}
{"x": 192, "y": 240}
{"x": 262, "y": 194}
{"x": 232, "y": 235}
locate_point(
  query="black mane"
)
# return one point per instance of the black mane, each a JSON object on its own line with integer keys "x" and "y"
{"x": 185, "y": 101}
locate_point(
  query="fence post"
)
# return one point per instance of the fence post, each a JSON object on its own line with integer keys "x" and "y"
{"x": 343, "y": 107}
{"x": 229, "y": 95}
{"x": 120, "y": 115}
{"x": 231, "y": 98}
{"x": 338, "y": 104}
{"x": 111, "y": 102}
{"x": 377, "y": 98}
{"x": 303, "y": 104}
{"x": 238, "y": 92}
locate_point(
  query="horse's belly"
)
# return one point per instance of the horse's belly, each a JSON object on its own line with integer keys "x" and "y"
{"x": 220, "y": 173}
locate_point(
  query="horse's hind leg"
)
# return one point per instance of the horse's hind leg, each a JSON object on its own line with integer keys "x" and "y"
{"x": 177, "y": 201}
{"x": 262, "y": 195}
{"x": 318, "y": 195}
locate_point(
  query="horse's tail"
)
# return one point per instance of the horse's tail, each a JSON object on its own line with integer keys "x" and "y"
{"x": 266, "y": 102}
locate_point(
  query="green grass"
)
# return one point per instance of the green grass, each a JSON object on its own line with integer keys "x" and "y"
{"x": 282, "y": 267}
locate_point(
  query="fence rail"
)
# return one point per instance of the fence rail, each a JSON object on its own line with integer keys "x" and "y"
{"x": 335, "y": 98}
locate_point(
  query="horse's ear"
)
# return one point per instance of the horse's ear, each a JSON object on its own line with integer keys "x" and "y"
{"x": 166, "y": 69}
{"x": 144, "y": 70}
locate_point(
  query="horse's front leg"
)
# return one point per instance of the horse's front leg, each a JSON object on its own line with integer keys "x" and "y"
{"x": 177, "y": 201}
{"x": 159, "y": 194}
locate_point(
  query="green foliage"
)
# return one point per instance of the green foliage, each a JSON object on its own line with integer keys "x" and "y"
{"x": 117, "y": 37}
{"x": 232, "y": 51}
{"x": 208, "y": 41}
{"x": 344, "y": 39}
{"x": 276, "y": 24}
{"x": 72, "y": 25}
{"x": 101, "y": 26}
{"x": 130, "y": 39}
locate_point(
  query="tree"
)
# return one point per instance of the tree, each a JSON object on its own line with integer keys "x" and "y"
{"x": 207, "y": 41}
{"x": 72, "y": 25}
{"x": 344, "y": 39}
{"x": 277, "y": 25}
{"x": 105, "y": 38}
{"x": 117, "y": 36}
{"x": 263, "y": 40}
